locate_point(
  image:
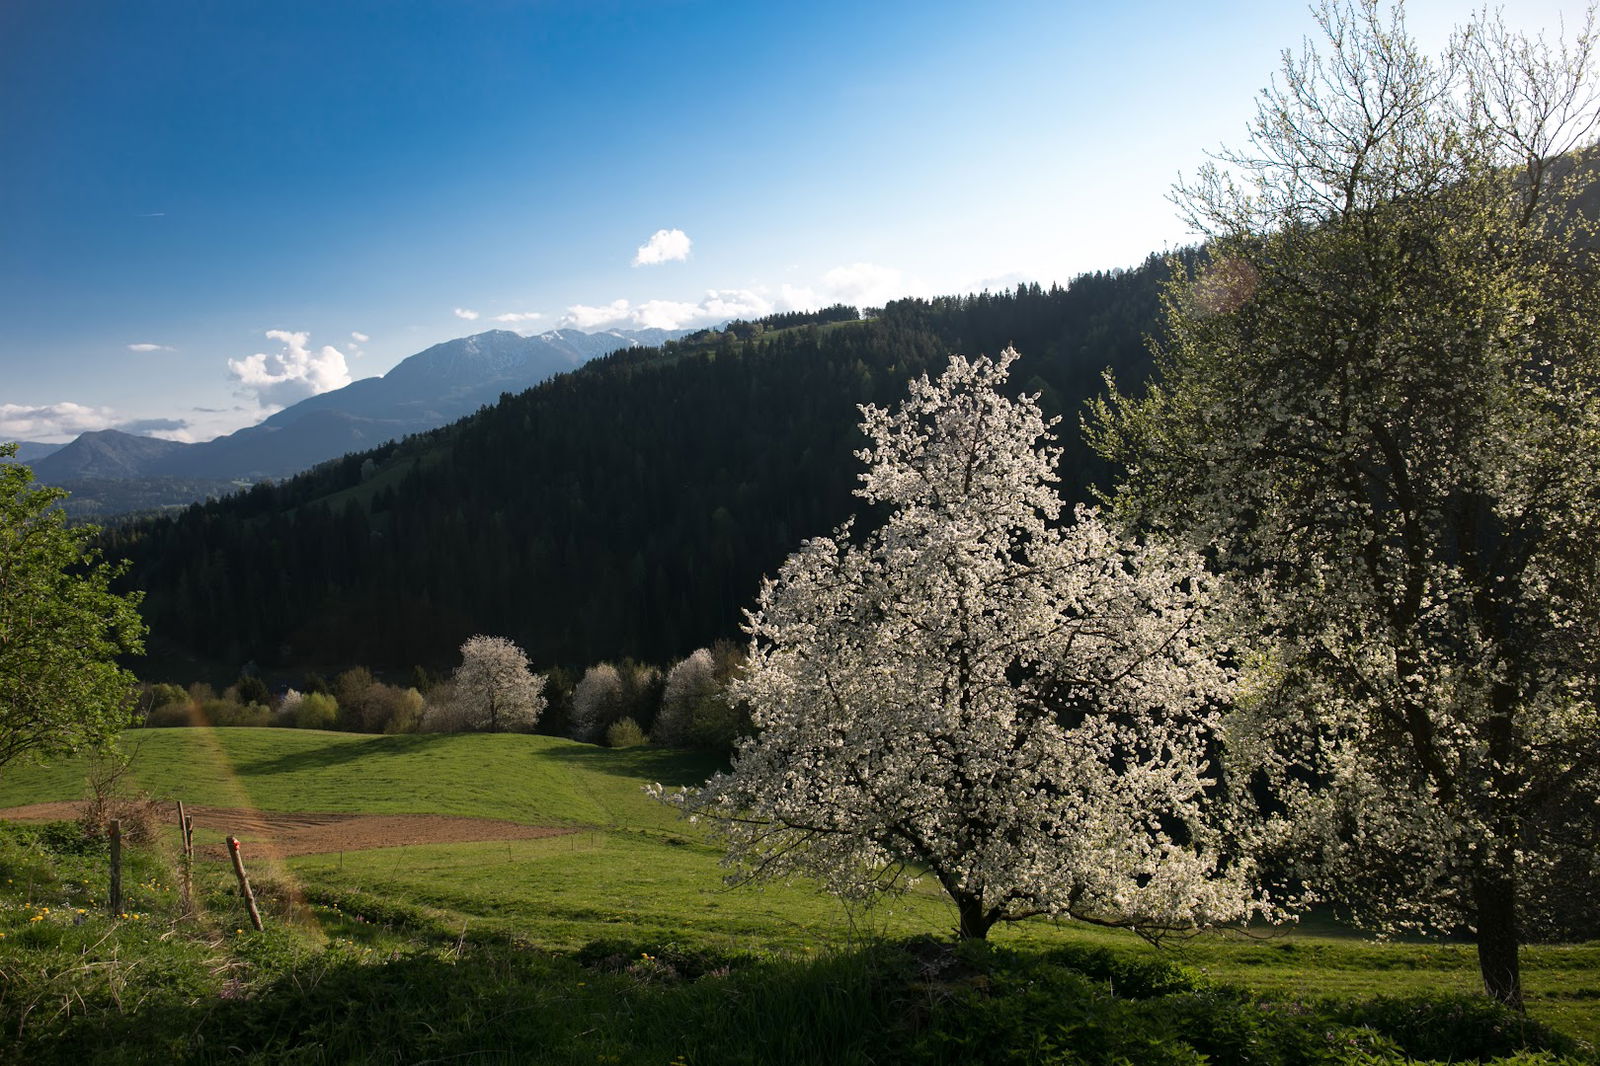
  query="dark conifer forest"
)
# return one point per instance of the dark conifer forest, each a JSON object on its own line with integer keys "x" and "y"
{"x": 628, "y": 508}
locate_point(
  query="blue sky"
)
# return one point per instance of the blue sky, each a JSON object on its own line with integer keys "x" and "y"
{"x": 333, "y": 186}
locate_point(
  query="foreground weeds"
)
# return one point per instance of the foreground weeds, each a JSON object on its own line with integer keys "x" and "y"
{"x": 382, "y": 981}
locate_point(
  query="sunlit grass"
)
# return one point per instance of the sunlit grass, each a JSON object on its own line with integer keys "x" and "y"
{"x": 631, "y": 870}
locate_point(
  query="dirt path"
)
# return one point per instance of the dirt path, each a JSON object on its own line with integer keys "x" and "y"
{"x": 284, "y": 833}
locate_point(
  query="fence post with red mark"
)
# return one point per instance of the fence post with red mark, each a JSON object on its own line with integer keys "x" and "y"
{"x": 244, "y": 883}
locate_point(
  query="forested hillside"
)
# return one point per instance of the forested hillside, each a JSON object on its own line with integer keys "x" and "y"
{"x": 630, "y": 507}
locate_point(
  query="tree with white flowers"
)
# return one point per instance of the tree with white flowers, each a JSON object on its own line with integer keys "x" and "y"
{"x": 691, "y": 685}
{"x": 1379, "y": 407}
{"x": 1020, "y": 707}
{"x": 494, "y": 687}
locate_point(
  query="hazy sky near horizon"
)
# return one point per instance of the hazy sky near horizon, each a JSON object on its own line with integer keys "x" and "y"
{"x": 211, "y": 209}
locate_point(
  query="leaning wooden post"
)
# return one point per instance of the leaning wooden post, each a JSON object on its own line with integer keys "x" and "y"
{"x": 116, "y": 867}
{"x": 186, "y": 837}
{"x": 244, "y": 883}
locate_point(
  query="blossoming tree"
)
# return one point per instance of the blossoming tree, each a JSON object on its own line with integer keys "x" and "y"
{"x": 1018, "y": 707}
{"x": 494, "y": 686}
{"x": 1381, "y": 404}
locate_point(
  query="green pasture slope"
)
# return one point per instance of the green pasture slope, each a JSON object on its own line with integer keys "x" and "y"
{"x": 629, "y": 873}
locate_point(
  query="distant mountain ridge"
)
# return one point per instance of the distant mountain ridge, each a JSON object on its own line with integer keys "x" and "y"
{"x": 31, "y": 451}
{"x": 629, "y": 508}
{"x": 430, "y": 389}
{"x": 108, "y": 453}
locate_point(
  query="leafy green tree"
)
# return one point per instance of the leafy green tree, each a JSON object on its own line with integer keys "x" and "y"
{"x": 61, "y": 627}
{"x": 1376, "y": 406}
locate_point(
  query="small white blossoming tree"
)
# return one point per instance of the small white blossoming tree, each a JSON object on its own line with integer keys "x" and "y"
{"x": 1021, "y": 709}
{"x": 494, "y": 686}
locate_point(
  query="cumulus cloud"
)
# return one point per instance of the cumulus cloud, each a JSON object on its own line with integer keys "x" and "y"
{"x": 359, "y": 337}
{"x": 462, "y": 312}
{"x": 150, "y": 348}
{"x": 52, "y": 422}
{"x": 284, "y": 377}
{"x": 582, "y": 316}
{"x": 859, "y": 284}
{"x": 718, "y": 305}
{"x": 863, "y": 285}
{"x": 518, "y": 316}
{"x": 664, "y": 246}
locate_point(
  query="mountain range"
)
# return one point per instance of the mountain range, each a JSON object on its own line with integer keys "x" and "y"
{"x": 628, "y": 508}
{"x": 110, "y": 471}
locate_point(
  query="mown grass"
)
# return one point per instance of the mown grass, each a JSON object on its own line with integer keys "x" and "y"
{"x": 531, "y": 779}
{"x": 509, "y": 926}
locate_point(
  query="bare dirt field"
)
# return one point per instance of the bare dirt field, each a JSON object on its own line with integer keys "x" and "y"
{"x": 283, "y": 833}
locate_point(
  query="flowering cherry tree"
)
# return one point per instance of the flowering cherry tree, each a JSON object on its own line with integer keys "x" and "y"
{"x": 494, "y": 686}
{"x": 1017, "y": 707}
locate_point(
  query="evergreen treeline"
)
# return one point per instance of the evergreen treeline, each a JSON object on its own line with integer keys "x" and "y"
{"x": 628, "y": 508}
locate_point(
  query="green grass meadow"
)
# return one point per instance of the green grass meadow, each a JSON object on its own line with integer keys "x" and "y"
{"x": 622, "y": 940}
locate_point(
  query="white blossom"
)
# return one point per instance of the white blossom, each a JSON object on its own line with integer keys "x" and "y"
{"x": 1016, "y": 707}
{"x": 493, "y": 687}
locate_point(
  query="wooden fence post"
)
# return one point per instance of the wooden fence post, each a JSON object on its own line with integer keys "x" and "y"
{"x": 116, "y": 867}
{"x": 244, "y": 883}
{"x": 186, "y": 868}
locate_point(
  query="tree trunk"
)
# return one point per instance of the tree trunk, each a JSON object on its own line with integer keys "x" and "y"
{"x": 1495, "y": 892}
{"x": 975, "y": 923}
{"x": 1499, "y": 937}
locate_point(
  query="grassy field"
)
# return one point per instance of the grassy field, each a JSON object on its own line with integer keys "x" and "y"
{"x": 631, "y": 875}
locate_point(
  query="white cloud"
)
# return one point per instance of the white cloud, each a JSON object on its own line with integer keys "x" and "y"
{"x": 719, "y": 305}
{"x": 52, "y": 422}
{"x": 359, "y": 337}
{"x": 150, "y": 348}
{"x": 59, "y": 422}
{"x": 582, "y": 316}
{"x": 518, "y": 316}
{"x": 292, "y": 374}
{"x": 462, "y": 312}
{"x": 863, "y": 285}
{"x": 664, "y": 246}
{"x": 859, "y": 284}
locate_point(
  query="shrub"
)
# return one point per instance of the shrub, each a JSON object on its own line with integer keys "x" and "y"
{"x": 1127, "y": 977}
{"x": 625, "y": 734}
{"x": 224, "y": 712}
{"x": 1453, "y": 1028}
{"x": 402, "y": 709}
{"x": 109, "y": 796}
{"x": 178, "y": 713}
{"x": 317, "y": 710}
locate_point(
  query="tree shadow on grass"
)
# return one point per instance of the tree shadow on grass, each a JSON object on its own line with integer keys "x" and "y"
{"x": 342, "y": 753}
{"x": 669, "y": 766}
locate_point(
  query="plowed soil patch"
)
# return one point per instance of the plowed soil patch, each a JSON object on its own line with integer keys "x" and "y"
{"x": 309, "y": 833}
